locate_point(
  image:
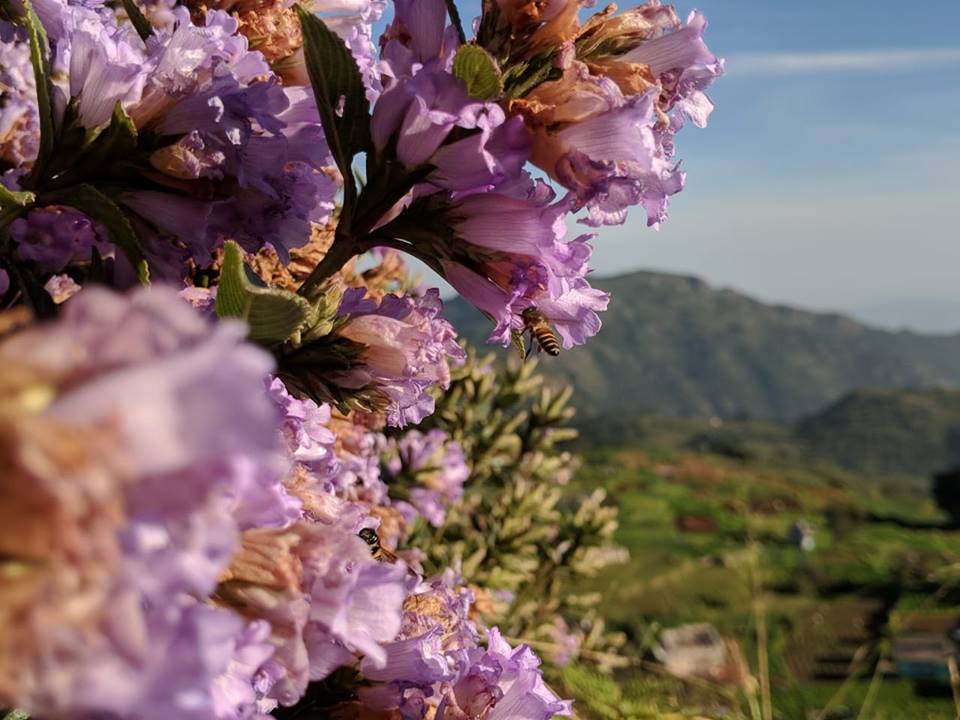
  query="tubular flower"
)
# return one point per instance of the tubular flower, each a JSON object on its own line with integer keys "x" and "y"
{"x": 240, "y": 156}
{"x": 501, "y": 683}
{"x": 406, "y": 349}
{"x": 324, "y": 595}
{"x": 418, "y": 117}
{"x": 54, "y": 236}
{"x": 19, "y": 120}
{"x": 417, "y": 37}
{"x": 605, "y": 128}
{"x": 122, "y": 438}
{"x": 506, "y": 254}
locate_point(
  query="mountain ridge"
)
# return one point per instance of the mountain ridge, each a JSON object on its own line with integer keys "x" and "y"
{"x": 674, "y": 344}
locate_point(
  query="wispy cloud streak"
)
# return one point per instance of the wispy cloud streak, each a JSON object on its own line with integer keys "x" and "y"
{"x": 861, "y": 61}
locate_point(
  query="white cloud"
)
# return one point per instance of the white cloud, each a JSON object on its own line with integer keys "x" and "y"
{"x": 861, "y": 61}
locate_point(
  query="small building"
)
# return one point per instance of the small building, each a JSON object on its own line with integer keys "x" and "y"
{"x": 694, "y": 650}
{"x": 800, "y": 535}
{"x": 923, "y": 646}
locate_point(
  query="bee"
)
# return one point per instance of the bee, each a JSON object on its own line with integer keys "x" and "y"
{"x": 541, "y": 331}
{"x": 380, "y": 553}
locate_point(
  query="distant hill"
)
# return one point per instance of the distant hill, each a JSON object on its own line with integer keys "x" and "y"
{"x": 901, "y": 435}
{"x": 674, "y": 345}
{"x": 887, "y": 431}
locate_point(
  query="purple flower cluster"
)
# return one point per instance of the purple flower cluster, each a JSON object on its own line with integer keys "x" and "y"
{"x": 196, "y": 528}
{"x": 433, "y": 469}
{"x": 436, "y": 665}
{"x": 19, "y": 120}
{"x": 506, "y": 252}
{"x": 242, "y": 156}
{"x": 605, "y": 128}
{"x": 150, "y": 498}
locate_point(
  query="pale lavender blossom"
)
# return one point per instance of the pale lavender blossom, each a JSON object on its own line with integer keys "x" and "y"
{"x": 19, "y": 120}
{"x": 61, "y": 288}
{"x": 149, "y": 370}
{"x": 502, "y": 683}
{"x": 306, "y": 432}
{"x": 417, "y": 37}
{"x": 407, "y": 348}
{"x": 347, "y": 604}
{"x": 106, "y": 67}
{"x": 433, "y": 470}
{"x": 519, "y": 260}
{"x": 417, "y": 115}
{"x": 353, "y": 21}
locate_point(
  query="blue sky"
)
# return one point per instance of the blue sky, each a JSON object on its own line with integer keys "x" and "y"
{"x": 829, "y": 177}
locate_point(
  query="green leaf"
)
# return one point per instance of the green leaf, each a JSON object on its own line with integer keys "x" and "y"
{"x": 41, "y": 72}
{"x": 11, "y": 198}
{"x": 118, "y": 141}
{"x": 140, "y": 23}
{"x": 97, "y": 206}
{"x": 479, "y": 72}
{"x": 273, "y": 314}
{"x": 340, "y": 95}
{"x": 16, "y": 715}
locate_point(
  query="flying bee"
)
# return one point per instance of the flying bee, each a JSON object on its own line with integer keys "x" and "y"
{"x": 379, "y": 552}
{"x": 541, "y": 331}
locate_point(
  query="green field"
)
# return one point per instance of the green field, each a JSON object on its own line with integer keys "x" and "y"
{"x": 881, "y": 557}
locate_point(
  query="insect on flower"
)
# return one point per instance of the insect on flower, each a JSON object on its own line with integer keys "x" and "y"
{"x": 541, "y": 331}
{"x": 380, "y": 553}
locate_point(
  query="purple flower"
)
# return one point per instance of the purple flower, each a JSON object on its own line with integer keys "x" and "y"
{"x": 244, "y": 157}
{"x": 106, "y": 67}
{"x": 407, "y": 348}
{"x": 19, "y": 121}
{"x": 55, "y": 236}
{"x": 433, "y": 467}
{"x": 342, "y": 603}
{"x": 169, "y": 442}
{"x": 430, "y": 651}
{"x": 605, "y": 151}
{"x": 502, "y": 683}
{"x": 418, "y": 114}
{"x": 680, "y": 50}
{"x": 61, "y": 288}
{"x": 605, "y": 128}
{"x": 515, "y": 259}
{"x": 418, "y": 661}
{"x": 417, "y": 38}
{"x": 306, "y": 430}
{"x": 353, "y": 21}
{"x": 239, "y": 691}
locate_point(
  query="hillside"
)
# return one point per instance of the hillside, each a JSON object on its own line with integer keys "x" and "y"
{"x": 887, "y": 431}
{"x": 879, "y": 432}
{"x": 709, "y": 536}
{"x": 675, "y": 345}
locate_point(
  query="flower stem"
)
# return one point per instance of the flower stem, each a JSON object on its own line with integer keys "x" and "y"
{"x": 340, "y": 252}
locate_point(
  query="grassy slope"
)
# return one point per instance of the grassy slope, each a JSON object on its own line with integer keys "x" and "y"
{"x": 822, "y": 605}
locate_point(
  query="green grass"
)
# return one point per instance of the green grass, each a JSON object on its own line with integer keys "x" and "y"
{"x": 822, "y": 605}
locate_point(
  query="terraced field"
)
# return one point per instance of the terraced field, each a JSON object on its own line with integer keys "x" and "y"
{"x": 708, "y": 542}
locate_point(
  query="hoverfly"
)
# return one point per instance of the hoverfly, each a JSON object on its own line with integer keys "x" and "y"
{"x": 541, "y": 331}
